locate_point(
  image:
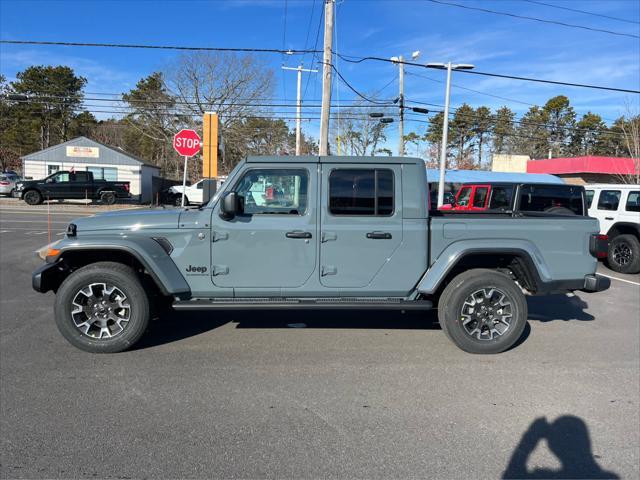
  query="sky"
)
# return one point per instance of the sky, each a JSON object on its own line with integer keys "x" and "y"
{"x": 382, "y": 28}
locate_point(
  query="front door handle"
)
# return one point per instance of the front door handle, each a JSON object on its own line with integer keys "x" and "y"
{"x": 298, "y": 234}
{"x": 608, "y": 218}
{"x": 379, "y": 235}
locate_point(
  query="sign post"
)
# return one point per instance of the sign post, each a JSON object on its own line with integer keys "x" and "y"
{"x": 187, "y": 143}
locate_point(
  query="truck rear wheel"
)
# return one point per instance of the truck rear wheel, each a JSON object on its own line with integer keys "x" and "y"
{"x": 102, "y": 308}
{"x": 108, "y": 198}
{"x": 624, "y": 254}
{"x": 32, "y": 197}
{"x": 483, "y": 311}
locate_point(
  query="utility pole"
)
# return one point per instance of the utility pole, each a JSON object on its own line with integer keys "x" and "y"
{"x": 401, "y": 105}
{"x": 326, "y": 78}
{"x": 299, "y": 105}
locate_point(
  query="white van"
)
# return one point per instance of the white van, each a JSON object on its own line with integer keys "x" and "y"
{"x": 617, "y": 207}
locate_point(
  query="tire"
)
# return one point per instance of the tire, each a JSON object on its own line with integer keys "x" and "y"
{"x": 108, "y": 198}
{"x": 500, "y": 294}
{"x": 177, "y": 201}
{"x": 624, "y": 254}
{"x": 32, "y": 197}
{"x": 86, "y": 332}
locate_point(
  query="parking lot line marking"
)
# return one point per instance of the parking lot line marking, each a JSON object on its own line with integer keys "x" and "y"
{"x": 620, "y": 279}
{"x": 2, "y": 220}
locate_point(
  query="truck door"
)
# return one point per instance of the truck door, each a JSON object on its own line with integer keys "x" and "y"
{"x": 57, "y": 186}
{"x": 608, "y": 208}
{"x": 361, "y": 222}
{"x": 273, "y": 244}
{"x": 80, "y": 185}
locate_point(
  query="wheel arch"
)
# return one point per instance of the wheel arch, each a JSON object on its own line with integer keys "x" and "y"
{"x": 517, "y": 261}
{"x": 623, "y": 228}
{"x": 151, "y": 261}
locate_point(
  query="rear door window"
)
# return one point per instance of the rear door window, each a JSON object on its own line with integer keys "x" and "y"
{"x": 365, "y": 192}
{"x": 480, "y": 196}
{"x": 609, "y": 200}
{"x": 633, "y": 202}
{"x": 553, "y": 199}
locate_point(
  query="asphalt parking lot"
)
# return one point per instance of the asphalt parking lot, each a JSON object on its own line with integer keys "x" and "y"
{"x": 247, "y": 395}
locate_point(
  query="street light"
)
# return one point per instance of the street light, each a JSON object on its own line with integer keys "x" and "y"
{"x": 445, "y": 126}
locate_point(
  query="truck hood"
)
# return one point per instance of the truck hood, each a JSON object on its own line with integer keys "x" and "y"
{"x": 130, "y": 220}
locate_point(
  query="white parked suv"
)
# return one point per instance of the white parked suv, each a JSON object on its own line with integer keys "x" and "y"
{"x": 617, "y": 207}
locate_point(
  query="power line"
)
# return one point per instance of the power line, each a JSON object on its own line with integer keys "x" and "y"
{"x": 581, "y": 11}
{"x": 344, "y": 80}
{"x": 348, "y": 58}
{"x": 161, "y": 47}
{"x": 472, "y": 90}
{"x": 313, "y": 57}
{"x": 354, "y": 59}
{"x": 535, "y": 19}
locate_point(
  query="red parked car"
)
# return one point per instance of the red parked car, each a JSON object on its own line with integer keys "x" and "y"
{"x": 481, "y": 197}
{"x": 530, "y": 197}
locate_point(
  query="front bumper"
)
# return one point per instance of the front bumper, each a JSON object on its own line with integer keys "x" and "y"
{"x": 595, "y": 283}
{"x": 48, "y": 276}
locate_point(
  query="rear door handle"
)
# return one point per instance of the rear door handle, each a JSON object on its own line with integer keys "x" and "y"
{"x": 298, "y": 234}
{"x": 608, "y": 218}
{"x": 379, "y": 235}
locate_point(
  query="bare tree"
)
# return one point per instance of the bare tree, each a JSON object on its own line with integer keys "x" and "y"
{"x": 354, "y": 132}
{"x": 630, "y": 126}
{"x": 234, "y": 86}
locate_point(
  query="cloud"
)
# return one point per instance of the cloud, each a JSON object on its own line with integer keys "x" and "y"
{"x": 97, "y": 74}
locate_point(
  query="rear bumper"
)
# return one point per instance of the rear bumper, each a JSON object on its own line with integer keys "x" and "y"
{"x": 595, "y": 283}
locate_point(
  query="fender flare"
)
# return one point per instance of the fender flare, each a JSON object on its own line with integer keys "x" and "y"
{"x": 455, "y": 252}
{"x": 151, "y": 255}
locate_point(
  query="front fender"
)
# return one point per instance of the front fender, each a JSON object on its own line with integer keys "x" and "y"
{"x": 146, "y": 250}
{"x": 451, "y": 255}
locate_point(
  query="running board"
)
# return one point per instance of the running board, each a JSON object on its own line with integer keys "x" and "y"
{"x": 302, "y": 304}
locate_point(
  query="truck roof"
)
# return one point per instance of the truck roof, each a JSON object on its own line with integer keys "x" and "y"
{"x": 333, "y": 159}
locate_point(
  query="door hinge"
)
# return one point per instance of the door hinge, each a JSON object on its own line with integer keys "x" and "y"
{"x": 328, "y": 270}
{"x": 217, "y": 236}
{"x": 219, "y": 270}
{"x": 329, "y": 236}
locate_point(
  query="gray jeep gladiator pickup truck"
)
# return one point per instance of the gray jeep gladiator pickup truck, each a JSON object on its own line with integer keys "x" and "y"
{"x": 330, "y": 233}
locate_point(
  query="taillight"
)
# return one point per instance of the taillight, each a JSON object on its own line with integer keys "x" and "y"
{"x": 5, "y": 183}
{"x": 126, "y": 187}
{"x": 599, "y": 245}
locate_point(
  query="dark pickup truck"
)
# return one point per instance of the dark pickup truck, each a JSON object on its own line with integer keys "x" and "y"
{"x": 70, "y": 185}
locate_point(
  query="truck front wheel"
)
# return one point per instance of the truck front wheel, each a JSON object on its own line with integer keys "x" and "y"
{"x": 483, "y": 311}
{"x": 102, "y": 308}
{"x": 32, "y": 197}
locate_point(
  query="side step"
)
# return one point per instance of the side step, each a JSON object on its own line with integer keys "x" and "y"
{"x": 302, "y": 304}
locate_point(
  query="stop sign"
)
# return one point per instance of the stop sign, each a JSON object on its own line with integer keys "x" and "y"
{"x": 186, "y": 142}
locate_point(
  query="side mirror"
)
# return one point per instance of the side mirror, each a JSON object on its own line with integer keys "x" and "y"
{"x": 231, "y": 205}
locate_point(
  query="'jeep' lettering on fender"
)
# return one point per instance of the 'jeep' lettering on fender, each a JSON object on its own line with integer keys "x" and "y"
{"x": 193, "y": 269}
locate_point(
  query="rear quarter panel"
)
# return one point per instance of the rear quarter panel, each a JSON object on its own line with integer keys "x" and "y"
{"x": 559, "y": 246}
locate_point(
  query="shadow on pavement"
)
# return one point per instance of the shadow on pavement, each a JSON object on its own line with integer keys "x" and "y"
{"x": 558, "y": 307}
{"x": 173, "y": 326}
{"x": 568, "y": 439}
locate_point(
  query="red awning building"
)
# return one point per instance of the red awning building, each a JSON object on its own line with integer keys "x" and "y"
{"x": 588, "y": 169}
